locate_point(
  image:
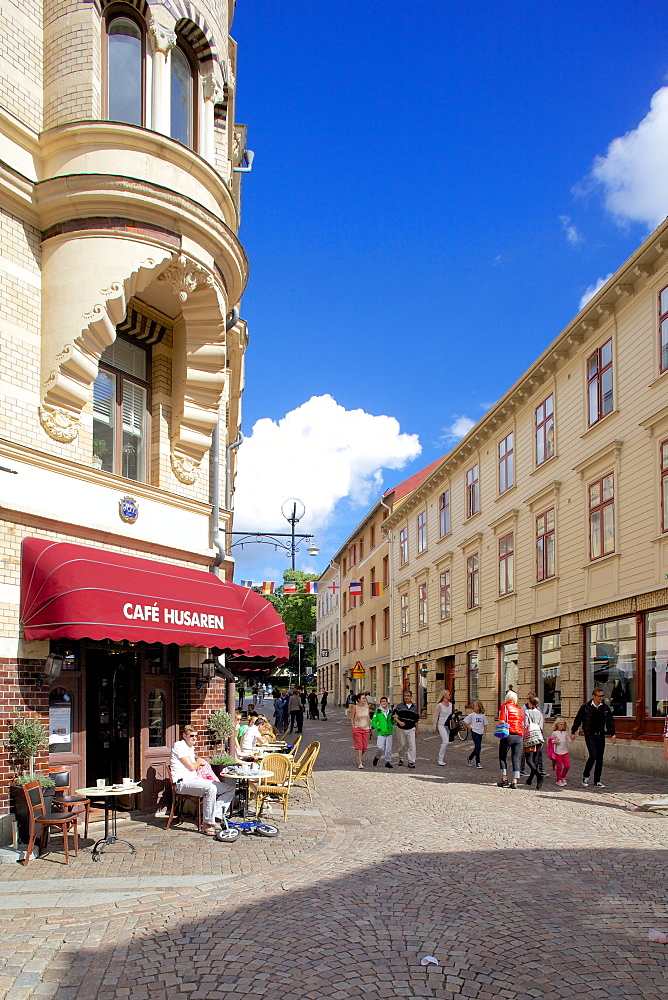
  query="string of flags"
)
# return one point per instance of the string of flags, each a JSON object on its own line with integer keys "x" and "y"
{"x": 269, "y": 587}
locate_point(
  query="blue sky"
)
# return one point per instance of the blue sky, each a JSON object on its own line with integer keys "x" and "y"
{"x": 434, "y": 190}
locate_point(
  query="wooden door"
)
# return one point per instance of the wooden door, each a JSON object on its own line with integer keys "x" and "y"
{"x": 67, "y": 739}
{"x": 158, "y": 730}
{"x": 449, "y": 683}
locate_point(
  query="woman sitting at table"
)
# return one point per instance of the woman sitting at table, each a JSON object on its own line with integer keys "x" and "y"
{"x": 253, "y": 737}
{"x": 183, "y": 767}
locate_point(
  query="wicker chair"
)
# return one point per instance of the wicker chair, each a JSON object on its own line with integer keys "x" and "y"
{"x": 303, "y": 772}
{"x": 278, "y": 785}
{"x": 41, "y": 822}
{"x": 294, "y": 747}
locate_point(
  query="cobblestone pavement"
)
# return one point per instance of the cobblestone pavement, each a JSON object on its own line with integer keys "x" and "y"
{"x": 519, "y": 895}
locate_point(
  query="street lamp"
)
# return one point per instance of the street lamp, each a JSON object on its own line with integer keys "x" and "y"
{"x": 293, "y": 511}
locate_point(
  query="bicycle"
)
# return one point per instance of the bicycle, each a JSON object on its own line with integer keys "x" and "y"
{"x": 457, "y": 727}
{"x": 232, "y": 830}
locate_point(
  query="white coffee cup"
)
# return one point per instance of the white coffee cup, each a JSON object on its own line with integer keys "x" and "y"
{"x": 101, "y": 783}
{"x": 128, "y": 781}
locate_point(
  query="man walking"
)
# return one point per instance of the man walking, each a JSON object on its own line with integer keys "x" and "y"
{"x": 406, "y": 716}
{"x": 323, "y": 705}
{"x": 242, "y": 694}
{"x": 296, "y": 712}
{"x": 382, "y": 723}
{"x": 597, "y": 722}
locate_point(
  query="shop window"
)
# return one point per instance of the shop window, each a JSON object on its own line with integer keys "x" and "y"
{"x": 444, "y": 594}
{"x": 664, "y": 485}
{"x": 506, "y": 463}
{"x": 509, "y": 667}
{"x": 403, "y": 546}
{"x": 120, "y": 411}
{"x": 422, "y": 605}
{"x": 472, "y": 491}
{"x": 125, "y": 65}
{"x": 157, "y": 718}
{"x": 611, "y": 663}
{"x": 656, "y": 664}
{"x": 506, "y": 564}
{"x": 602, "y": 517}
{"x": 473, "y": 581}
{"x": 599, "y": 382}
{"x": 404, "y": 613}
{"x": 545, "y": 545}
{"x": 663, "y": 330}
{"x": 473, "y": 677}
{"x": 545, "y": 430}
{"x": 549, "y": 670}
{"x": 444, "y": 514}
{"x": 422, "y": 531}
{"x": 60, "y": 721}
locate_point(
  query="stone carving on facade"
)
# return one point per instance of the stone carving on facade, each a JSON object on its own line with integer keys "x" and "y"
{"x": 213, "y": 91}
{"x": 185, "y": 469}
{"x": 59, "y": 424}
{"x": 162, "y": 39}
{"x": 185, "y": 275}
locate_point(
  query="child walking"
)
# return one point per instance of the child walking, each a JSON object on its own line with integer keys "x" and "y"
{"x": 476, "y": 721}
{"x": 560, "y": 739}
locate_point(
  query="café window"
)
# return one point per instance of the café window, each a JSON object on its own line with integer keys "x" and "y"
{"x": 157, "y": 716}
{"x": 125, "y": 61}
{"x": 120, "y": 411}
{"x": 549, "y": 671}
{"x": 60, "y": 721}
{"x": 611, "y": 663}
{"x": 509, "y": 667}
{"x": 473, "y": 677}
{"x": 656, "y": 664}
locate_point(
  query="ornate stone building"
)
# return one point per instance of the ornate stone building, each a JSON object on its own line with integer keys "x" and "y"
{"x": 121, "y": 370}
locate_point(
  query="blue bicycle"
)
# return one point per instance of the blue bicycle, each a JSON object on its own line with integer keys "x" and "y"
{"x": 232, "y": 829}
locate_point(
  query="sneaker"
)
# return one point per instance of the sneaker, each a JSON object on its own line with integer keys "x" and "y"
{"x": 410, "y": 765}
{"x": 389, "y": 765}
{"x": 599, "y": 784}
{"x": 503, "y": 784}
{"x": 401, "y": 763}
{"x": 529, "y": 780}
{"x": 561, "y": 784}
{"x": 585, "y": 782}
{"x": 361, "y": 767}
{"x": 375, "y": 762}
{"x": 523, "y": 774}
{"x": 441, "y": 763}
{"x": 469, "y": 763}
{"x": 479, "y": 766}
{"x": 513, "y": 787}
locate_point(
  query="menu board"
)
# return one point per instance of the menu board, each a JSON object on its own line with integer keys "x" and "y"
{"x": 60, "y": 728}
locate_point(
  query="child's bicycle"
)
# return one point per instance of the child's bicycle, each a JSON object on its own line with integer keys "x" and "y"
{"x": 232, "y": 829}
{"x": 457, "y": 727}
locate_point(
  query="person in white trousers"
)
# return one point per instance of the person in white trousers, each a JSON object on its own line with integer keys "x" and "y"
{"x": 183, "y": 766}
{"x": 441, "y": 719}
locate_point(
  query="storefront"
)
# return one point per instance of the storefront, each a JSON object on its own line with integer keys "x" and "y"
{"x": 136, "y": 649}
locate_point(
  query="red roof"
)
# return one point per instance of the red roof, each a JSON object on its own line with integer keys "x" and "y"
{"x": 403, "y": 489}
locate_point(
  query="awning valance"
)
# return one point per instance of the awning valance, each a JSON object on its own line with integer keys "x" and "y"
{"x": 73, "y": 591}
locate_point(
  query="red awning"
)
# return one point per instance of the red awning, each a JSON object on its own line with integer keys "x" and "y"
{"x": 76, "y": 592}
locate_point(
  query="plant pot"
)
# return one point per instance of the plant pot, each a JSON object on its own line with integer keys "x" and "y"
{"x": 20, "y": 808}
{"x": 218, "y": 770}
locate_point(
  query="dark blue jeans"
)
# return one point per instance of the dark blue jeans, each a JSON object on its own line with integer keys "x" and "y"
{"x": 513, "y": 743}
{"x": 477, "y": 744}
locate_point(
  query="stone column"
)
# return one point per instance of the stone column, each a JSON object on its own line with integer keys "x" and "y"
{"x": 162, "y": 42}
{"x": 213, "y": 93}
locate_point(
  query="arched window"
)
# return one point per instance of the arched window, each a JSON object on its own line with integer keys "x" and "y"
{"x": 125, "y": 70}
{"x": 183, "y": 92}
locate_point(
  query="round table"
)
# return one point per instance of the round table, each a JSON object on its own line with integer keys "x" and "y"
{"x": 242, "y": 781}
{"x": 109, "y": 794}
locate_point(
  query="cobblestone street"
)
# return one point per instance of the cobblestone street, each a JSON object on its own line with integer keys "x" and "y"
{"x": 518, "y": 895}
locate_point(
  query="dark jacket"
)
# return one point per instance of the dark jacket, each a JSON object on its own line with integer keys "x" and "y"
{"x": 409, "y": 716}
{"x": 594, "y": 720}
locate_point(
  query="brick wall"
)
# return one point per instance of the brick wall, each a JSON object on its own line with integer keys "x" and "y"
{"x": 20, "y": 694}
{"x": 21, "y": 60}
{"x": 72, "y": 62}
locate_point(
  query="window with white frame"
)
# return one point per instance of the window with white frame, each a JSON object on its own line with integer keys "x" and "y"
{"x": 506, "y": 463}
{"x": 506, "y": 564}
{"x": 422, "y": 605}
{"x": 403, "y": 604}
{"x": 473, "y": 676}
{"x": 444, "y": 514}
{"x": 120, "y": 411}
{"x": 602, "y": 516}
{"x": 472, "y": 491}
{"x": 599, "y": 382}
{"x": 403, "y": 546}
{"x": 444, "y": 594}
{"x": 663, "y": 452}
{"x": 663, "y": 330}
{"x": 545, "y": 545}
{"x": 544, "y": 418}
{"x": 473, "y": 581}
{"x": 422, "y": 531}
{"x": 125, "y": 68}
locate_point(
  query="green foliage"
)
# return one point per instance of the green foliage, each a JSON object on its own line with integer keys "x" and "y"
{"x": 27, "y": 777}
{"x": 221, "y": 724}
{"x": 222, "y": 759}
{"x": 26, "y": 737}
{"x": 298, "y": 611}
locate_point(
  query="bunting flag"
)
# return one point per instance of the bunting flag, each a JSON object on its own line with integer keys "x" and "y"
{"x": 376, "y": 590}
{"x": 334, "y": 587}
{"x": 289, "y": 588}
{"x": 300, "y": 638}
{"x": 311, "y": 587}
{"x": 355, "y": 588}
{"x": 268, "y": 587}
{"x": 246, "y": 583}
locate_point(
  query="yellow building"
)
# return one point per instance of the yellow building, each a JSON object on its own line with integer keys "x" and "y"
{"x": 535, "y": 555}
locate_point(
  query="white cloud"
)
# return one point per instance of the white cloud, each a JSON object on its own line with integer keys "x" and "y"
{"x": 321, "y": 453}
{"x": 459, "y": 427}
{"x": 592, "y": 290}
{"x": 633, "y": 173}
{"x": 570, "y": 231}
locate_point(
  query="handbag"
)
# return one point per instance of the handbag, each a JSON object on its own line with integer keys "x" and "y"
{"x": 533, "y": 735}
{"x": 502, "y": 728}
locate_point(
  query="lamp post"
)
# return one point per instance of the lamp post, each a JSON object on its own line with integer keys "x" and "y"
{"x": 293, "y": 511}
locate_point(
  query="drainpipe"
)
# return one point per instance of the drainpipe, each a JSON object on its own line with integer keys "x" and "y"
{"x": 390, "y": 541}
{"x": 232, "y": 319}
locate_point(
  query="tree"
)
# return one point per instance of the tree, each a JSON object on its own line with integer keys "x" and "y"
{"x": 298, "y": 613}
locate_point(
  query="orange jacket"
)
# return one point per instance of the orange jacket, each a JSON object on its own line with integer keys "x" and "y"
{"x": 512, "y": 714}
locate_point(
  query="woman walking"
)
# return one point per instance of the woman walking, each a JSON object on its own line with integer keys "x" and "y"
{"x": 476, "y": 721}
{"x": 360, "y": 721}
{"x": 511, "y": 716}
{"x": 533, "y": 740}
{"x": 442, "y": 715}
{"x": 560, "y": 740}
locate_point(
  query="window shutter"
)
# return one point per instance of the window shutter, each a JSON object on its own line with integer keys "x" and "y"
{"x": 134, "y": 408}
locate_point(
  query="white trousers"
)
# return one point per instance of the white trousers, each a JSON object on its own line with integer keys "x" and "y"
{"x": 445, "y": 739}
{"x": 406, "y": 744}
{"x": 216, "y": 794}
{"x": 384, "y": 746}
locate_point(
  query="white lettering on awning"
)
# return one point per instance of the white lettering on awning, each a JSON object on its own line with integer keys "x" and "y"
{"x": 174, "y": 616}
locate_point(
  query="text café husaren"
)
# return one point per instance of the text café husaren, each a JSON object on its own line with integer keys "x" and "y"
{"x": 136, "y": 649}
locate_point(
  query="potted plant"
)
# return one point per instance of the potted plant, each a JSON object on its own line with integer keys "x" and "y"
{"x": 25, "y": 738}
{"x": 219, "y": 761}
{"x": 99, "y": 451}
{"x": 221, "y": 724}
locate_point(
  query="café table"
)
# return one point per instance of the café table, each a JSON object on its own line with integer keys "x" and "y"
{"x": 243, "y": 778}
{"x": 110, "y": 794}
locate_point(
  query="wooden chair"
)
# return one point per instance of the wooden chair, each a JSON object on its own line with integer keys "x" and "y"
{"x": 303, "y": 772}
{"x": 278, "y": 785}
{"x": 178, "y": 799}
{"x": 63, "y": 798}
{"x": 40, "y": 821}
